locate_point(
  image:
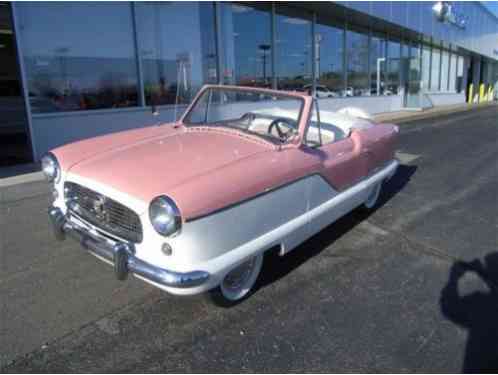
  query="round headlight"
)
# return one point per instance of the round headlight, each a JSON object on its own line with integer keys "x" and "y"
{"x": 50, "y": 167}
{"x": 165, "y": 216}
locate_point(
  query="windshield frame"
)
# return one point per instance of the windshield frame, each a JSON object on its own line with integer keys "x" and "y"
{"x": 281, "y": 94}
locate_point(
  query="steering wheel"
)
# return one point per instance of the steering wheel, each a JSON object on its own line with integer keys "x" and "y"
{"x": 283, "y": 135}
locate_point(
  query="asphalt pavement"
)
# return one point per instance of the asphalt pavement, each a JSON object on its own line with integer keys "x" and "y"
{"x": 410, "y": 287}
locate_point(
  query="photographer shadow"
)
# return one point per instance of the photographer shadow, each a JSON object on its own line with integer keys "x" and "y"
{"x": 477, "y": 312}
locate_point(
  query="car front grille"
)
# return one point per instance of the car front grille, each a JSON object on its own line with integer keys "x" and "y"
{"x": 103, "y": 212}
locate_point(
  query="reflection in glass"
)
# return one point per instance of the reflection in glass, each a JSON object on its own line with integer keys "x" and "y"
{"x": 378, "y": 64}
{"x": 460, "y": 83}
{"x": 330, "y": 60}
{"x": 445, "y": 65}
{"x": 453, "y": 70}
{"x": 357, "y": 60}
{"x": 76, "y": 64}
{"x": 293, "y": 49}
{"x": 177, "y": 49}
{"x": 436, "y": 62}
{"x": 15, "y": 145}
{"x": 426, "y": 68}
{"x": 246, "y": 39}
{"x": 393, "y": 68}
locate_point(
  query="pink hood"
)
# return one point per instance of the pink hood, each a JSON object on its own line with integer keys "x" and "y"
{"x": 165, "y": 160}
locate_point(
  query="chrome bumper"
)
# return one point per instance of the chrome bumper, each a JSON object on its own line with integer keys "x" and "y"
{"x": 122, "y": 255}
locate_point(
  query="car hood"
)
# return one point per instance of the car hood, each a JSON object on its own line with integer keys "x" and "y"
{"x": 149, "y": 164}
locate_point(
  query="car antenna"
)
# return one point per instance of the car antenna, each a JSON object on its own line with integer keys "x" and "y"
{"x": 319, "y": 125}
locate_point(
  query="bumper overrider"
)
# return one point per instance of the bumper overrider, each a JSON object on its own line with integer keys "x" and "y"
{"x": 121, "y": 255}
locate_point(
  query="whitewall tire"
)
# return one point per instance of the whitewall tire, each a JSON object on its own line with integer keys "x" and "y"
{"x": 373, "y": 196}
{"x": 238, "y": 283}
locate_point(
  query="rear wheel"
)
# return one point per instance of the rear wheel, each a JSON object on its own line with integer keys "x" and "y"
{"x": 238, "y": 283}
{"x": 373, "y": 196}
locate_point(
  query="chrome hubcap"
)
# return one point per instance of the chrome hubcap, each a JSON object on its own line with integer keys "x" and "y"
{"x": 237, "y": 278}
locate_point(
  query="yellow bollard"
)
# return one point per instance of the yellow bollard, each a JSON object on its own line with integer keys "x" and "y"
{"x": 481, "y": 92}
{"x": 471, "y": 91}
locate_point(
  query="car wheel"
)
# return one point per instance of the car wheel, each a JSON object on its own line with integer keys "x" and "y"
{"x": 237, "y": 284}
{"x": 373, "y": 196}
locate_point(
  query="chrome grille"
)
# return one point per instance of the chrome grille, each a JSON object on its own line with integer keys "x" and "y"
{"x": 103, "y": 212}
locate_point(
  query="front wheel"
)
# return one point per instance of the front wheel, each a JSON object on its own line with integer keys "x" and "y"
{"x": 238, "y": 283}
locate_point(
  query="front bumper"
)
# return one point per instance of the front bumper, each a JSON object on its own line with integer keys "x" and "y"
{"x": 121, "y": 255}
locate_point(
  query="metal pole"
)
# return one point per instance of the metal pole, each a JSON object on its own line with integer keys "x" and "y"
{"x": 219, "y": 45}
{"x": 313, "y": 56}
{"x": 141, "y": 94}
{"x": 273, "y": 47}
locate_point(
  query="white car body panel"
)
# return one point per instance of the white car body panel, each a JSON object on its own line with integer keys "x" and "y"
{"x": 222, "y": 240}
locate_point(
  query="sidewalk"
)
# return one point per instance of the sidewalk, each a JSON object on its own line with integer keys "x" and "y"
{"x": 32, "y": 180}
{"x": 411, "y": 115}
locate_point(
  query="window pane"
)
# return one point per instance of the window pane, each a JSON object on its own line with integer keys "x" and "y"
{"x": 445, "y": 62}
{"x": 377, "y": 62}
{"x": 357, "y": 60}
{"x": 436, "y": 60}
{"x": 460, "y": 87}
{"x": 293, "y": 49}
{"x": 330, "y": 57}
{"x": 76, "y": 64}
{"x": 453, "y": 70}
{"x": 393, "y": 66}
{"x": 246, "y": 48}
{"x": 177, "y": 49}
{"x": 426, "y": 66}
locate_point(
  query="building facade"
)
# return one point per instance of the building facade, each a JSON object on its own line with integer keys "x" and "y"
{"x": 75, "y": 70}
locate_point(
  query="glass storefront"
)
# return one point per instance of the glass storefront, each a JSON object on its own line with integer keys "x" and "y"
{"x": 72, "y": 65}
{"x": 453, "y": 71}
{"x": 378, "y": 64}
{"x": 246, "y": 49}
{"x": 330, "y": 56}
{"x": 460, "y": 86}
{"x": 435, "y": 69}
{"x": 445, "y": 65}
{"x": 393, "y": 67}
{"x": 294, "y": 60}
{"x": 15, "y": 145}
{"x": 426, "y": 68}
{"x": 177, "y": 49}
{"x": 357, "y": 63}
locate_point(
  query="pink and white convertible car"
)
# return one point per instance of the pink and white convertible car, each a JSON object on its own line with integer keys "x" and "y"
{"x": 193, "y": 206}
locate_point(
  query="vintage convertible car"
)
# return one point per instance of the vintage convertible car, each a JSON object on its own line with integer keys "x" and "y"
{"x": 193, "y": 206}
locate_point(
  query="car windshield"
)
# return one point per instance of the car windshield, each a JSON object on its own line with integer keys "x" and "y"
{"x": 273, "y": 116}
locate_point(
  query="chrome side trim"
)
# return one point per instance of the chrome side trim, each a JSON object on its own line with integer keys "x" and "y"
{"x": 121, "y": 255}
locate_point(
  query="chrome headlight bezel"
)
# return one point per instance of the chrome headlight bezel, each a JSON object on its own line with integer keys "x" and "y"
{"x": 165, "y": 216}
{"x": 51, "y": 168}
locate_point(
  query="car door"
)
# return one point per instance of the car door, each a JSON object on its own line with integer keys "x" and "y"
{"x": 340, "y": 164}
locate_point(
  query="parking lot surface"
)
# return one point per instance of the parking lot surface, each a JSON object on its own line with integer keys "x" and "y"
{"x": 410, "y": 287}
